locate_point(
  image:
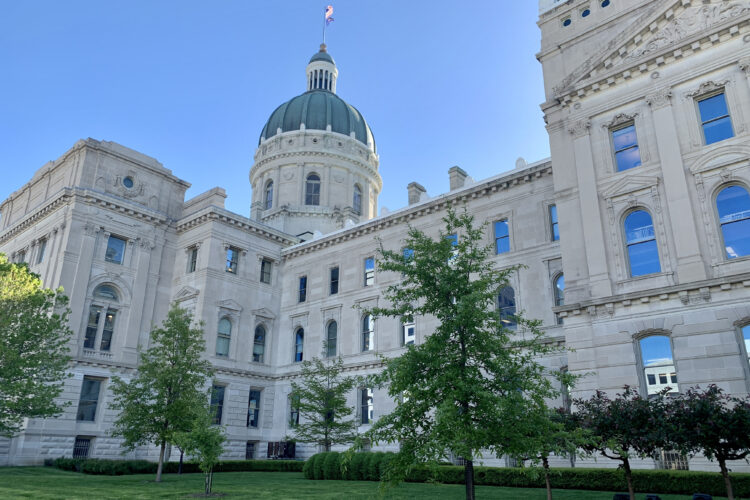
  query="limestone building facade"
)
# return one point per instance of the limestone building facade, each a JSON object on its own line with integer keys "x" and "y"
{"x": 635, "y": 235}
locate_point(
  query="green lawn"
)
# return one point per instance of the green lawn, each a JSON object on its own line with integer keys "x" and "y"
{"x": 48, "y": 483}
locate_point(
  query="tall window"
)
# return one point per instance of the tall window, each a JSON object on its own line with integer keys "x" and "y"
{"x": 102, "y": 316}
{"x": 367, "y": 331}
{"x": 269, "y": 195}
{"x": 715, "y": 120}
{"x": 223, "y": 336}
{"x": 253, "y": 408}
{"x": 233, "y": 256}
{"x": 81, "y": 447}
{"x": 625, "y": 144}
{"x": 294, "y": 401}
{"x": 89, "y": 399}
{"x": 502, "y": 237}
{"x": 733, "y": 206}
{"x": 408, "y": 332}
{"x": 265, "y": 271}
{"x": 369, "y": 277}
{"x": 115, "y": 250}
{"x": 250, "y": 450}
{"x": 643, "y": 254}
{"x": 559, "y": 290}
{"x": 299, "y": 343}
{"x": 506, "y": 306}
{"x": 40, "y": 252}
{"x": 334, "y": 280}
{"x": 658, "y": 364}
{"x": 192, "y": 259}
{"x": 312, "y": 190}
{"x": 217, "y": 403}
{"x": 331, "y": 338}
{"x": 746, "y": 339}
{"x": 365, "y": 405}
{"x": 357, "y": 199}
{"x": 259, "y": 344}
{"x": 302, "y": 296}
{"x": 553, "y": 227}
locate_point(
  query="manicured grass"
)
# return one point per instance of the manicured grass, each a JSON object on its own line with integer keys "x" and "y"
{"x": 48, "y": 483}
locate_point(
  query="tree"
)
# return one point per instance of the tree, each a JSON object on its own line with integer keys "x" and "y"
{"x": 34, "y": 337}
{"x": 321, "y": 399}
{"x": 629, "y": 425}
{"x": 714, "y": 423}
{"x": 470, "y": 385}
{"x": 205, "y": 442}
{"x": 166, "y": 393}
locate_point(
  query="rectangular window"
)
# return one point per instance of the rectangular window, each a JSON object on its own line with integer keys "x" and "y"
{"x": 265, "y": 271}
{"x": 232, "y": 260}
{"x": 89, "y": 342}
{"x": 217, "y": 403}
{"x": 302, "y": 289}
{"x": 40, "y": 252}
{"x": 192, "y": 259}
{"x": 408, "y": 333}
{"x": 253, "y": 408}
{"x": 662, "y": 378}
{"x": 553, "y": 228}
{"x": 651, "y": 379}
{"x": 453, "y": 238}
{"x": 625, "y": 143}
{"x": 293, "y": 410}
{"x": 81, "y": 447}
{"x": 369, "y": 277}
{"x": 334, "y": 280}
{"x": 109, "y": 326}
{"x": 673, "y": 377}
{"x": 89, "y": 399}
{"x": 250, "y": 447}
{"x": 715, "y": 120}
{"x": 366, "y": 405}
{"x": 502, "y": 237}
{"x": 115, "y": 250}
{"x": 21, "y": 257}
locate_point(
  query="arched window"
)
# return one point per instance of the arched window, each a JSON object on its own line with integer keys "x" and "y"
{"x": 269, "y": 195}
{"x": 560, "y": 290}
{"x": 299, "y": 342}
{"x": 102, "y": 317}
{"x": 331, "y": 337}
{"x": 357, "y": 199}
{"x": 643, "y": 253}
{"x": 367, "y": 331}
{"x": 224, "y": 333}
{"x": 259, "y": 344}
{"x": 506, "y": 306}
{"x": 746, "y": 339}
{"x": 733, "y": 206}
{"x": 312, "y": 190}
{"x": 658, "y": 364}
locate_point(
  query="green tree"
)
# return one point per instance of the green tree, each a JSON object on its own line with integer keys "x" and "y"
{"x": 204, "y": 442}
{"x": 320, "y": 396}
{"x": 166, "y": 393}
{"x": 714, "y": 423}
{"x": 470, "y": 385}
{"x": 34, "y": 337}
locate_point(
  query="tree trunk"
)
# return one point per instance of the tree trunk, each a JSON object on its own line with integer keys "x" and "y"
{"x": 545, "y": 463}
{"x": 161, "y": 461}
{"x": 469, "y": 479}
{"x": 179, "y": 469}
{"x": 209, "y": 480}
{"x": 628, "y": 477}
{"x": 727, "y": 481}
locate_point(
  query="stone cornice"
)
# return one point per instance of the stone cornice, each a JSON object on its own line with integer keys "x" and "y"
{"x": 216, "y": 214}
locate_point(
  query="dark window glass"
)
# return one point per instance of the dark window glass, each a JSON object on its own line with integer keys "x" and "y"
{"x": 223, "y": 337}
{"x": 502, "y": 237}
{"x": 259, "y": 344}
{"x": 253, "y": 408}
{"x": 585, "y": 13}
{"x": 128, "y": 182}
{"x": 302, "y": 289}
{"x": 232, "y": 260}
{"x": 369, "y": 278}
{"x": 554, "y": 229}
{"x": 115, "y": 250}
{"x": 81, "y": 447}
{"x": 651, "y": 379}
{"x": 192, "y": 259}
{"x": 566, "y": 22}
{"x": 250, "y": 450}
{"x": 269, "y": 195}
{"x": 357, "y": 200}
{"x": 662, "y": 378}
{"x": 334, "y": 280}
{"x": 91, "y": 328}
{"x": 367, "y": 327}
{"x": 294, "y": 410}
{"x": 265, "y": 271}
{"x": 217, "y": 403}
{"x": 627, "y": 154}
{"x": 331, "y": 338}
{"x": 715, "y": 120}
{"x": 643, "y": 252}
{"x": 506, "y": 303}
{"x": 106, "y": 292}
{"x": 312, "y": 190}
{"x": 366, "y": 405}
{"x": 408, "y": 330}
{"x": 673, "y": 378}
{"x": 299, "y": 341}
{"x": 109, "y": 327}
{"x": 560, "y": 290}
{"x": 89, "y": 399}
{"x": 733, "y": 206}
{"x": 605, "y": 3}
{"x": 40, "y": 252}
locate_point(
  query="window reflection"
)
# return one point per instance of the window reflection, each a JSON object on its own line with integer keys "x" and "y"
{"x": 733, "y": 206}
{"x": 658, "y": 364}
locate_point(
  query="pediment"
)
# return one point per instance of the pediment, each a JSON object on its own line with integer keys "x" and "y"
{"x": 185, "y": 293}
{"x": 230, "y": 305}
{"x": 264, "y": 313}
{"x": 630, "y": 184}
{"x": 728, "y": 156}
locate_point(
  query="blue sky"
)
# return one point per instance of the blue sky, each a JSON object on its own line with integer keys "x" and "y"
{"x": 192, "y": 83}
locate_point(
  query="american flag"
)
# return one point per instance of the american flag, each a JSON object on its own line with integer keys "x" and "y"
{"x": 329, "y": 14}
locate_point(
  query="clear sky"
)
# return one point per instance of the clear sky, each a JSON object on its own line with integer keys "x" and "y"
{"x": 192, "y": 83}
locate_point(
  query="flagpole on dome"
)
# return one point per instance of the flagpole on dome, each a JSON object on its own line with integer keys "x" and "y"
{"x": 327, "y": 19}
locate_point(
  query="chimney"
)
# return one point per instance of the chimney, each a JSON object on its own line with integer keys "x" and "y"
{"x": 457, "y": 176}
{"x": 416, "y": 191}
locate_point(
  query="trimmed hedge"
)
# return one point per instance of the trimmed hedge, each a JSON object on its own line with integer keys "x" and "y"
{"x": 105, "y": 467}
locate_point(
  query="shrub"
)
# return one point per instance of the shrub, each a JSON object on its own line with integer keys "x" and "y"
{"x": 307, "y": 469}
{"x": 96, "y": 466}
{"x": 356, "y": 467}
{"x": 332, "y": 466}
{"x": 318, "y": 465}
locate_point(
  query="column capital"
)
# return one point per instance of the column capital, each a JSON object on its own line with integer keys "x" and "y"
{"x": 659, "y": 98}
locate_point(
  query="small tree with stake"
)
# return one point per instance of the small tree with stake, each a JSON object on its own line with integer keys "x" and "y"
{"x": 714, "y": 423}
{"x": 204, "y": 442}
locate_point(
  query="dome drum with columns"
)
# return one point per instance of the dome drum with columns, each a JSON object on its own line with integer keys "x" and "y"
{"x": 316, "y": 165}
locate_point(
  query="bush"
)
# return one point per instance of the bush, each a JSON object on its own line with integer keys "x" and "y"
{"x": 332, "y": 466}
{"x": 307, "y": 469}
{"x": 356, "y": 467}
{"x": 97, "y": 466}
{"x": 318, "y": 465}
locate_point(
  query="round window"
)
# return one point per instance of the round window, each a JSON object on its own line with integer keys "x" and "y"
{"x": 585, "y": 12}
{"x": 605, "y": 3}
{"x": 127, "y": 182}
{"x": 567, "y": 22}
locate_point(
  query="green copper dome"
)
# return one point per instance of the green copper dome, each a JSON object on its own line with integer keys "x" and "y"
{"x": 318, "y": 109}
{"x": 322, "y": 56}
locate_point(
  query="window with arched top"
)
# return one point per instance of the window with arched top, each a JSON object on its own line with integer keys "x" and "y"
{"x": 733, "y": 208}
{"x": 106, "y": 292}
{"x": 312, "y": 190}
{"x": 299, "y": 343}
{"x": 357, "y": 199}
{"x": 643, "y": 252}
{"x": 269, "y": 195}
{"x": 259, "y": 344}
{"x": 102, "y": 317}
{"x": 506, "y": 306}
{"x": 367, "y": 333}
{"x": 223, "y": 336}
{"x": 658, "y": 364}
{"x": 559, "y": 285}
{"x": 331, "y": 339}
